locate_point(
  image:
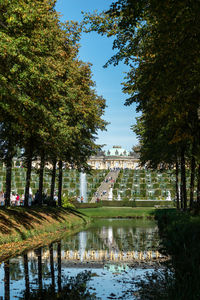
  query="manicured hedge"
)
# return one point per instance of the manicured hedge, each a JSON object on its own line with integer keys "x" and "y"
{"x": 153, "y": 203}
{"x": 118, "y": 203}
{"x": 139, "y": 203}
{"x": 86, "y": 205}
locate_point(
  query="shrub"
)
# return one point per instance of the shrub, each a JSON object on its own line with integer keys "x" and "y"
{"x": 157, "y": 193}
{"x": 116, "y": 186}
{"x": 72, "y": 185}
{"x": 86, "y": 205}
{"x": 152, "y": 203}
{"x": 125, "y": 202}
{"x": 67, "y": 202}
{"x": 155, "y": 185}
{"x": 128, "y": 193}
{"x": 115, "y": 192}
{"x": 129, "y": 185}
{"x": 143, "y": 193}
{"x": 142, "y": 186}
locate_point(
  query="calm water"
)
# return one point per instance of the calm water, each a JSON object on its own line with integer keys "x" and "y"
{"x": 107, "y": 249}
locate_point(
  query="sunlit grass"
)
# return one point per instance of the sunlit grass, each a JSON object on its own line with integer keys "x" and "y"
{"x": 116, "y": 212}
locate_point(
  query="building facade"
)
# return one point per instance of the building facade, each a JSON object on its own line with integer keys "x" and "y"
{"x": 114, "y": 158}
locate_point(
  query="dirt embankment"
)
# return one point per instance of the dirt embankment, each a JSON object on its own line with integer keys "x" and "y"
{"x": 23, "y": 228}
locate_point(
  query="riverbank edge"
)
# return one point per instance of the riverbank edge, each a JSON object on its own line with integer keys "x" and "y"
{"x": 32, "y": 228}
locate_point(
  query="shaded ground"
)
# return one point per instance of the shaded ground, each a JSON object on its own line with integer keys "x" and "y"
{"x": 22, "y": 228}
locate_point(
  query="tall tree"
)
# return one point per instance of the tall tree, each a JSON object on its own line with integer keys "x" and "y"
{"x": 155, "y": 41}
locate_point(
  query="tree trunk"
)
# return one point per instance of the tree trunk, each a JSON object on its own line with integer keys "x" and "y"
{"x": 41, "y": 176}
{"x": 7, "y": 280}
{"x": 60, "y": 175}
{"x": 198, "y": 186}
{"x": 59, "y": 266}
{"x": 53, "y": 179}
{"x": 52, "y": 267}
{"x": 28, "y": 176}
{"x": 8, "y": 180}
{"x": 183, "y": 181}
{"x": 177, "y": 186}
{"x": 26, "y": 275}
{"x": 192, "y": 176}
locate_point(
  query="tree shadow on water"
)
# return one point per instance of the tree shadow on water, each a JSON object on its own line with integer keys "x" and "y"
{"x": 74, "y": 288}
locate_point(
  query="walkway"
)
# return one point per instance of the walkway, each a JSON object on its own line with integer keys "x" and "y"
{"x": 103, "y": 190}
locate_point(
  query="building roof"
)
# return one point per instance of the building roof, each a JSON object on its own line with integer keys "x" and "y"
{"x": 117, "y": 151}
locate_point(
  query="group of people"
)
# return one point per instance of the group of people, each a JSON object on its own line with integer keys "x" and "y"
{"x": 109, "y": 179}
{"x": 17, "y": 200}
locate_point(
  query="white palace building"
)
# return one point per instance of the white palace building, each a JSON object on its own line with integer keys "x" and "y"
{"x": 117, "y": 157}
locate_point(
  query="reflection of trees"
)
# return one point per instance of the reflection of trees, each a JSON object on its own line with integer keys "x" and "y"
{"x": 124, "y": 238}
{"x": 52, "y": 266}
{"x": 7, "y": 280}
{"x": 15, "y": 270}
{"x": 93, "y": 241}
{"x": 74, "y": 288}
{"x": 127, "y": 238}
{"x": 33, "y": 267}
{"x": 26, "y": 274}
{"x": 39, "y": 256}
{"x": 59, "y": 265}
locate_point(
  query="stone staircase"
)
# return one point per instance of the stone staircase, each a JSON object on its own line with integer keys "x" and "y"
{"x": 103, "y": 190}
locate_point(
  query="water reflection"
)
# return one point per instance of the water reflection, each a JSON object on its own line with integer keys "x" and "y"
{"x": 7, "y": 280}
{"x": 105, "y": 248}
{"x": 120, "y": 235}
{"x": 26, "y": 275}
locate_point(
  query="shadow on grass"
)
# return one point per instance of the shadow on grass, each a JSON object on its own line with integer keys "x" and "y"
{"x": 78, "y": 214}
{"x": 28, "y": 218}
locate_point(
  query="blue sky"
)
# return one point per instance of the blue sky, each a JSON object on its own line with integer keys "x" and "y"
{"x": 97, "y": 50}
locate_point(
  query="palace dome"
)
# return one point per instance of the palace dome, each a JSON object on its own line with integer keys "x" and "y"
{"x": 117, "y": 151}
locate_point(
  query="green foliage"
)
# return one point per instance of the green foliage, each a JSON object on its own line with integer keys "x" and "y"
{"x": 180, "y": 238}
{"x": 72, "y": 185}
{"x": 67, "y": 202}
{"x": 128, "y": 193}
{"x": 49, "y": 106}
{"x": 116, "y": 185}
{"x": 156, "y": 41}
{"x": 124, "y": 203}
{"x": 114, "y": 192}
{"x": 129, "y": 185}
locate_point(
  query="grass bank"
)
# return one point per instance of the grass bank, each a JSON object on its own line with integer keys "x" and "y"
{"x": 116, "y": 212}
{"x": 23, "y": 228}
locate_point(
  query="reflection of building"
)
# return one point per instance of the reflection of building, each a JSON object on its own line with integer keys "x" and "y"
{"x": 116, "y": 157}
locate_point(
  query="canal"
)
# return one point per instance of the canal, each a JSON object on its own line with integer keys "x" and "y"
{"x": 103, "y": 261}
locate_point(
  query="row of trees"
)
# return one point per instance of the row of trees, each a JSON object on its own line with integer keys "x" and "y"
{"x": 160, "y": 43}
{"x": 48, "y": 104}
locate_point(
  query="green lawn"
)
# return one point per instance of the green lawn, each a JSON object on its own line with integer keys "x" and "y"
{"x": 121, "y": 212}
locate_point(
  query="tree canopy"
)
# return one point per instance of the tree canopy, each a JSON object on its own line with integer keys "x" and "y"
{"x": 48, "y": 101}
{"x": 160, "y": 43}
